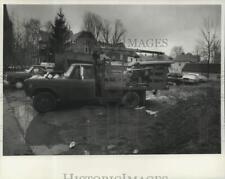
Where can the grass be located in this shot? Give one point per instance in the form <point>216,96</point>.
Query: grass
<point>191,125</point>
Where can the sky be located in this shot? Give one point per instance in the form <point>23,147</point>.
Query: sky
<point>151,27</point>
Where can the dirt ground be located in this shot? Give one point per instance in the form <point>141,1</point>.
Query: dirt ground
<point>183,119</point>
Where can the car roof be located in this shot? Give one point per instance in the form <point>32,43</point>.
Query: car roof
<point>38,66</point>
<point>84,64</point>
<point>190,75</point>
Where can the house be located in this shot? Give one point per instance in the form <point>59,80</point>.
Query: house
<point>79,49</point>
<point>181,60</point>
<point>214,70</point>
<point>82,42</point>
<point>64,60</point>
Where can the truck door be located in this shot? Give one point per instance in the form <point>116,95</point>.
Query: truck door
<point>82,83</point>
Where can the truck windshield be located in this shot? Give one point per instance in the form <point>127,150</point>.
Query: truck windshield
<point>69,71</point>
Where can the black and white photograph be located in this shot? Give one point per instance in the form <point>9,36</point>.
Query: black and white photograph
<point>111,79</point>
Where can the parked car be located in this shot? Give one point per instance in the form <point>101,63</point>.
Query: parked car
<point>17,78</point>
<point>190,78</point>
<point>201,78</point>
<point>174,78</point>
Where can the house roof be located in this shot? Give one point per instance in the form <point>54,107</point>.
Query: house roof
<point>201,68</point>
<point>82,34</point>
<point>75,57</point>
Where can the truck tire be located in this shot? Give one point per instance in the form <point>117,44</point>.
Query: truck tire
<point>131,99</point>
<point>44,102</point>
<point>19,84</point>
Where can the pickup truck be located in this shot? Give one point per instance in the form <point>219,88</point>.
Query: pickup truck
<point>81,82</point>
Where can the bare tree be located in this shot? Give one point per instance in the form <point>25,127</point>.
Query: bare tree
<point>32,34</point>
<point>19,42</point>
<point>119,32</point>
<point>106,31</point>
<point>93,23</point>
<point>208,41</point>
<point>208,34</point>
<point>197,50</point>
<point>176,51</point>
<point>18,32</point>
<point>48,26</point>
<point>32,30</point>
<point>216,50</point>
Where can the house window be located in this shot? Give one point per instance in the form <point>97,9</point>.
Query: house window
<point>86,50</point>
<point>129,59</point>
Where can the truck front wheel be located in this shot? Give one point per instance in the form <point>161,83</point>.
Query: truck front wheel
<point>44,102</point>
<point>131,99</point>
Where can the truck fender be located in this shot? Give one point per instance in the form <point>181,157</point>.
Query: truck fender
<point>46,90</point>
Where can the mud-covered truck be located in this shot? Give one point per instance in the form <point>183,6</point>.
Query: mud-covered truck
<point>83,82</point>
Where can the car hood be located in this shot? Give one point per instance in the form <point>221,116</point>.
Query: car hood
<point>18,73</point>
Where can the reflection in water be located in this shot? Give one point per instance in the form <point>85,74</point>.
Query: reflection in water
<point>44,138</point>
<point>24,114</point>
<point>42,133</point>
<point>95,129</point>
<point>105,130</point>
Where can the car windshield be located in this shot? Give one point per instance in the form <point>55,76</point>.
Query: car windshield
<point>29,70</point>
